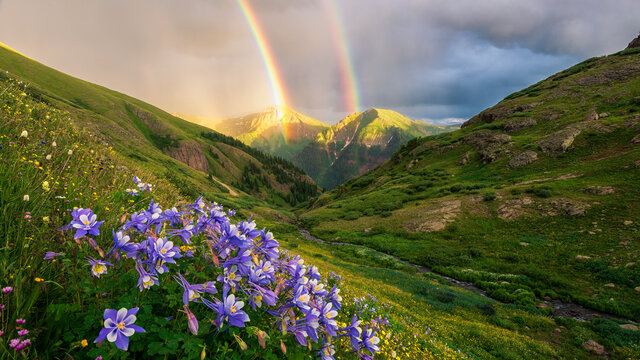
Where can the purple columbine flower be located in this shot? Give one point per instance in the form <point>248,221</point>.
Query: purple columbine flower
<point>165,251</point>
<point>146,279</point>
<point>51,255</point>
<point>98,267</point>
<point>328,316</point>
<point>84,222</point>
<point>118,326</point>
<point>193,292</point>
<point>327,352</point>
<point>230,310</point>
<point>370,340</point>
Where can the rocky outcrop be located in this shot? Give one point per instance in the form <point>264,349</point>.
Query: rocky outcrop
<point>600,190</point>
<point>191,154</point>
<point>634,43</point>
<point>512,125</point>
<point>435,218</point>
<point>514,208</point>
<point>487,143</point>
<point>592,116</point>
<point>559,141</point>
<point>567,207</point>
<point>524,158</point>
<point>464,159</point>
<point>636,139</point>
<point>594,347</point>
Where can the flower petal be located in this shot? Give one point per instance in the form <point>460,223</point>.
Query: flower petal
<point>109,323</point>
<point>122,313</point>
<point>129,320</point>
<point>110,314</point>
<point>127,331</point>
<point>103,335</point>
<point>122,342</point>
<point>137,328</point>
<point>112,335</point>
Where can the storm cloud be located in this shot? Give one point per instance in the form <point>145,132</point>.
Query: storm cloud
<point>441,61</point>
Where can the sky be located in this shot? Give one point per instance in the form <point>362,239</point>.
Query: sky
<point>440,61</point>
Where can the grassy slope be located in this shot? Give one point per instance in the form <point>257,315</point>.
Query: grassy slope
<point>386,209</point>
<point>150,135</point>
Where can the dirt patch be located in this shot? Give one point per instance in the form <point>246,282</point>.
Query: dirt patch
<point>514,208</point>
<point>434,218</point>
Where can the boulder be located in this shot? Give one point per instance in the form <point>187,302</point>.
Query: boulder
<point>603,115</point>
<point>592,116</point>
<point>512,125</point>
<point>593,347</point>
<point>582,257</point>
<point>600,190</point>
<point>487,143</point>
<point>514,208</point>
<point>559,141</point>
<point>629,327</point>
<point>191,154</point>
<point>464,159</point>
<point>610,285</point>
<point>570,207</point>
<point>524,158</point>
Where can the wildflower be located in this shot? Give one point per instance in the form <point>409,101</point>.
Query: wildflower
<point>23,332</point>
<point>7,289</point>
<point>23,344</point>
<point>54,144</point>
<point>85,222</point>
<point>192,321</point>
<point>45,186</point>
<point>24,134</point>
<point>38,279</point>
<point>1,332</point>
<point>25,198</point>
<point>70,152</point>
<point>84,343</point>
<point>370,341</point>
<point>14,342</point>
<point>327,352</point>
<point>118,326</point>
<point>46,219</point>
<point>165,251</point>
<point>99,358</point>
<point>48,157</point>
<point>146,279</point>
<point>51,255</point>
<point>98,267</point>
<point>20,321</point>
<point>230,310</point>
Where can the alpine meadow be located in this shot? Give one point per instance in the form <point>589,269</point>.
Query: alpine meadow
<point>319,180</point>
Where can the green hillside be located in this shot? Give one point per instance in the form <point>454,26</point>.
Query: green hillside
<point>195,158</point>
<point>359,143</point>
<point>533,200</point>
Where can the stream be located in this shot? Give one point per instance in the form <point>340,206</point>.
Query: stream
<point>560,308</point>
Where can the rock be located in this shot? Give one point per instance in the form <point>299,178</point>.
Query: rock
<point>512,125</point>
<point>191,154</point>
<point>464,159</point>
<point>434,217</point>
<point>524,158</point>
<point>637,288</point>
<point>570,207</point>
<point>600,190</point>
<point>487,143</point>
<point>542,306</point>
<point>610,285</point>
<point>591,233</point>
<point>630,263</point>
<point>514,208</point>
<point>592,116</point>
<point>446,149</point>
<point>637,163</point>
<point>636,139</point>
<point>634,43</point>
<point>628,223</point>
<point>557,330</point>
<point>593,347</point>
<point>367,230</point>
<point>548,298</point>
<point>524,243</point>
<point>559,141</point>
<point>603,115</point>
<point>582,257</point>
<point>629,327</point>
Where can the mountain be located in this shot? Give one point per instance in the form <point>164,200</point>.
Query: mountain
<point>359,143</point>
<point>533,199</point>
<point>279,131</point>
<point>194,157</point>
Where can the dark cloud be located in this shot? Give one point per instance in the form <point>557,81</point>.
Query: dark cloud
<point>432,59</point>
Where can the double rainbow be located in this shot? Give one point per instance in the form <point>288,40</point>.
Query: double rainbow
<point>347,74</point>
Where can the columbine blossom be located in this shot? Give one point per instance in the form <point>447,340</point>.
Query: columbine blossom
<point>370,340</point>
<point>146,279</point>
<point>84,221</point>
<point>229,310</point>
<point>119,326</point>
<point>98,267</point>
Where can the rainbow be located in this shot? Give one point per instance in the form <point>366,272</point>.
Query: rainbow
<point>348,76</point>
<point>275,78</point>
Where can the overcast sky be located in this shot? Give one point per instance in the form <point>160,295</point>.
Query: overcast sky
<point>433,60</point>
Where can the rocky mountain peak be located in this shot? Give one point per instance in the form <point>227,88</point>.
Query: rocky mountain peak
<point>634,43</point>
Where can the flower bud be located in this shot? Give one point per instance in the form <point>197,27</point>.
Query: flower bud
<point>24,134</point>
<point>261,338</point>
<point>283,348</point>
<point>203,354</point>
<point>192,321</point>
<point>241,343</point>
